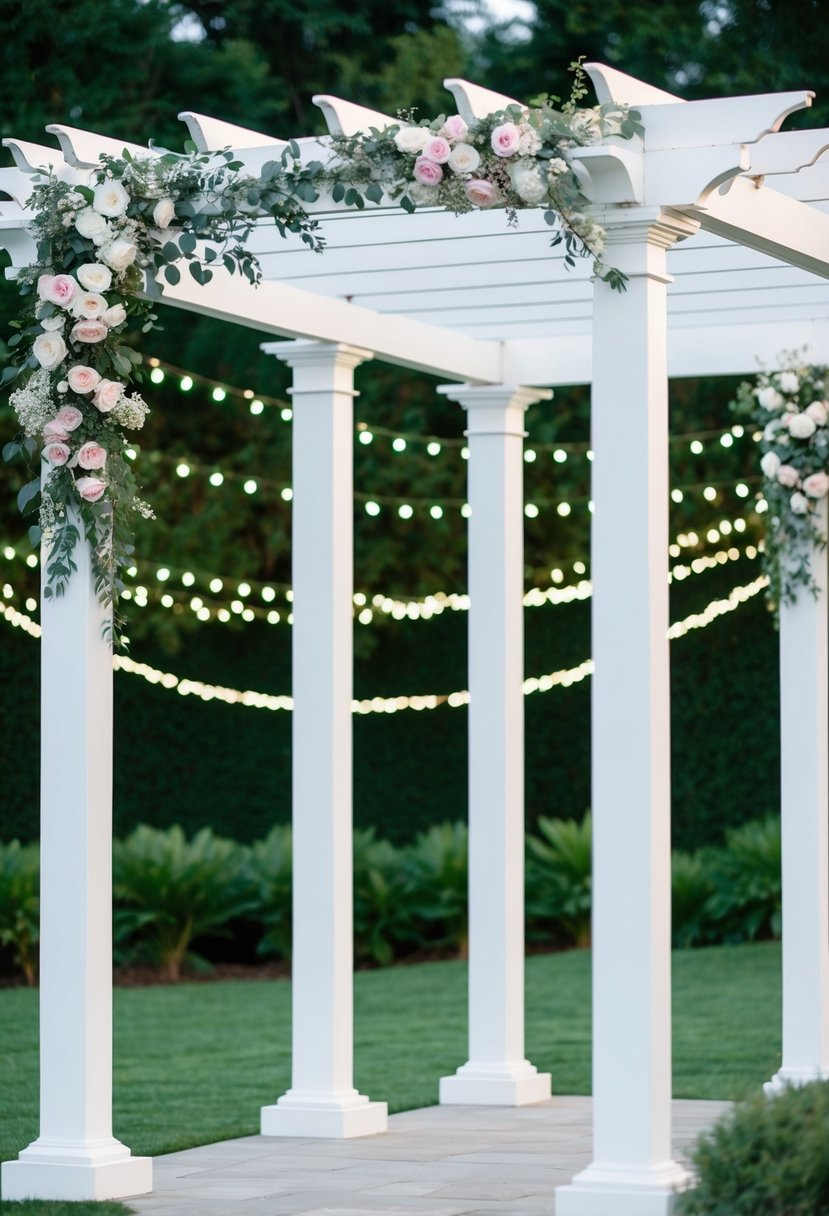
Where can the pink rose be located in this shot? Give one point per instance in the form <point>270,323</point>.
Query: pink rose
<point>56,453</point>
<point>82,379</point>
<point>89,331</point>
<point>788,476</point>
<point>107,395</point>
<point>482,193</point>
<point>92,456</point>
<point>90,488</point>
<point>816,485</point>
<point>437,149</point>
<point>818,412</point>
<point>505,139</point>
<point>55,432</point>
<point>69,417</point>
<point>455,128</point>
<point>57,288</point>
<point>427,172</point>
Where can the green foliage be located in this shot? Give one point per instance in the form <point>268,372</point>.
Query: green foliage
<point>268,871</point>
<point>382,922</point>
<point>170,890</point>
<point>61,1207</point>
<point>692,888</point>
<point>559,879</point>
<point>768,1155</point>
<point>436,885</point>
<point>746,903</point>
<point>20,905</point>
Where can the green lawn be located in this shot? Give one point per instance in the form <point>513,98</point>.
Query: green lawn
<point>194,1063</point>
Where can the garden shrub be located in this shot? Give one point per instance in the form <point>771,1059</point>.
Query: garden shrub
<point>746,903</point>
<point>559,880</point>
<point>382,924</point>
<point>436,869</point>
<point>268,872</point>
<point>768,1157</point>
<point>692,887</point>
<point>20,905</point>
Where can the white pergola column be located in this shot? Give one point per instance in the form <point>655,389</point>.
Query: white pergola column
<point>497,1073</point>
<point>75,1157</point>
<point>632,1172</point>
<point>804,732</point>
<point>322,1100</point>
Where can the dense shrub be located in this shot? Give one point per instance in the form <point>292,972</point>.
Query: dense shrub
<point>746,903</point>
<point>436,871</point>
<point>559,880</point>
<point>383,926</point>
<point>268,873</point>
<point>769,1157</point>
<point>692,888</point>
<point>20,905</point>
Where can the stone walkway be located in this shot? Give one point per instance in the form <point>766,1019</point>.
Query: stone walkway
<point>442,1161</point>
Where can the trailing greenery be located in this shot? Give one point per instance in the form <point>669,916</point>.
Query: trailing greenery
<point>768,1155</point>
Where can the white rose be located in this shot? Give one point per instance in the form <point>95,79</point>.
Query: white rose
<point>114,316</point>
<point>88,304</point>
<point>49,350</point>
<point>164,213</point>
<point>801,426</point>
<point>799,503</point>
<point>789,382</point>
<point>119,254</point>
<point>412,139</point>
<point>464,159</point>
<point>769,398</point>
<point>818,412</point>
<point>91,225</point>
<point>110,198</point>
<point>94,277</point>
<point>770,464</point>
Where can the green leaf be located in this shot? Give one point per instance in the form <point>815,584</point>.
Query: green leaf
<point>86,193</point>
<point>28,492</point>
<point>407,204</point>
<point>171,251</point>
<point>121,363</point>
<point>172,274</point>
<point>10,450</point>
<point>35,533</point>
<point>197,272</point>
<point>338,192</point>
<point>189,146</point>
<point>187,242</point>
<point>374,192</point>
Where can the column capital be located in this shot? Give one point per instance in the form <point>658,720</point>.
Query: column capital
<point>308,353</point>
<point>494,409</point>
<point>637,238</point>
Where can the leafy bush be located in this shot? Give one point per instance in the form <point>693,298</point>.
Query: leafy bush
<point>20,904</point>
<point>692,887</point>
<point>559,879</point>
<point>169,890</point>
<point>268,872</point>
<point>768,1156</point>
<point>436,887</point>
<point>746,903</point>
<point>381,917</point>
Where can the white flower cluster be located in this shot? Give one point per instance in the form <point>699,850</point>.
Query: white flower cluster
<point>33,402</point>
<point>131,412</point>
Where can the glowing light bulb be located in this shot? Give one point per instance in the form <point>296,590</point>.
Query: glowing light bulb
<point>157,375</point>
<point>218,394</point>
<point>216,479</point>
<point>399,444</point>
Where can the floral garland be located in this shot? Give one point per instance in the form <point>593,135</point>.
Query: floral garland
<point>102,249</point>
<point>790,409</point>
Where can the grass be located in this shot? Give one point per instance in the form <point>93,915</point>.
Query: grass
<point>194,1063</point>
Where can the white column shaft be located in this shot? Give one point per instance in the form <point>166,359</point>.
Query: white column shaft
<point>631,742</point>
<point>75,1156</point>
<point>804,730</point>
<point>322,1099</point>
<point>497,1071</point>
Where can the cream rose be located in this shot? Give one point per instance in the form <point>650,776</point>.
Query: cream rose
<point>801,426</point>
<point>107,395</point>
<point>110,198</point>
<point>816,485</point>
<point>56,453</point>
<point>89,304</point>
<point>119,254</point>
<point>92,456</point>
<point>464,159</point>
<point>770,464</point>
<point>49,350</point>
<point>789,382</point>
<point>769,398</point>
<point>164,213</point>
<point>94,277</point>
<point>92,225</point>
<point>82,379</point>
<point>818,412</point>
<point>89,331</point>
<point>69,417</point>
<point>114,316</point>
<point>788,476</point>
<point>90,488</point>
<point>799,503</point>
<point>412,139</point>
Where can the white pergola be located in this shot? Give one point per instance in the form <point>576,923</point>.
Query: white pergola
<point>720,222</point>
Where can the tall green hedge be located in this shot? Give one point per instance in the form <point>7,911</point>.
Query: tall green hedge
<point>179,760</point>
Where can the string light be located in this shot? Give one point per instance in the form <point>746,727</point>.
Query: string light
<point>258,700</point>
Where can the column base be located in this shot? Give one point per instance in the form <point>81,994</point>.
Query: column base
<point>316,1115</point>
<point>621,1191</point>
<point>793,1076</point>
<point>51,1170</point>
<point>495,1085</point>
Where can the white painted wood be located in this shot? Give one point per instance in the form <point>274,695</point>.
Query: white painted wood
<point>496,1074</point>
<point>31,158</point>
<point>787,151</point>
<point>724,120</point>
<point>632,1171</point>
<point>75,1156</point>
<point>322,1100</point>
<point>83,149</point>
<point>213,134</point>
<point>474,101</point>
<point>804,730</point>
<point>612,85</point>
<point>346,118</point>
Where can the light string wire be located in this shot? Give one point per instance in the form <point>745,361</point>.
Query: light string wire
<point>259,700</point>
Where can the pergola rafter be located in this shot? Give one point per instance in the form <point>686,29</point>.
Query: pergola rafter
<point>720,222</point>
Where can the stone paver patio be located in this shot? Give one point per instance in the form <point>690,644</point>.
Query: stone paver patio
<point>441,1161</point>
